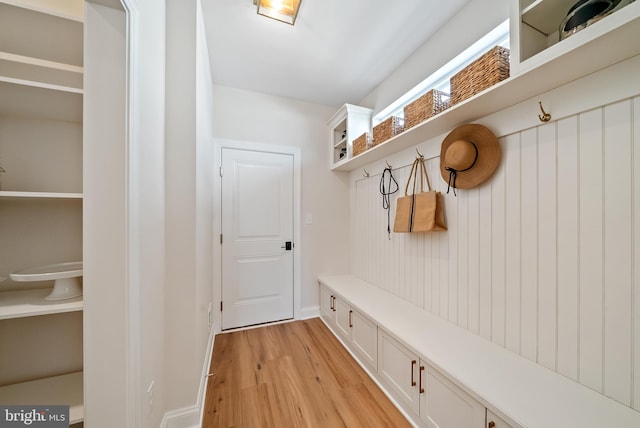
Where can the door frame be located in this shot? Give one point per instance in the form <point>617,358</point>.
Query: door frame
<point>219,144</point>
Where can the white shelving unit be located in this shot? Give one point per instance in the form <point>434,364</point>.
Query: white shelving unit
<point>41,108</point>
<point>346,125</point>
<point>607,42</point>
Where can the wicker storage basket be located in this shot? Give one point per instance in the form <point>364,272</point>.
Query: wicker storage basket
<point>486,71</point>
<point>429,104</point>
<point>361,143</point>
<point>386,129</point>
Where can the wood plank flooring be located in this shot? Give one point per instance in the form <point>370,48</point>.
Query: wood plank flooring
<point>292,375</point>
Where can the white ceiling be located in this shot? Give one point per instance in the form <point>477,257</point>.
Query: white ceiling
<point>337,52</point>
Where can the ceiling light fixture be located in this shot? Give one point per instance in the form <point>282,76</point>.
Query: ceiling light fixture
<point>281,10</point>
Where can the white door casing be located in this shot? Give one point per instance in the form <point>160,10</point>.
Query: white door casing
<point>257,214</point>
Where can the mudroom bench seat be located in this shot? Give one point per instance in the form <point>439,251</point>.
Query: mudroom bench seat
<point>441,375</point>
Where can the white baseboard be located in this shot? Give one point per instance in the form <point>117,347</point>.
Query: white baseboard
<point>187,417</point>
<point>309,312</point>
<point>191,417</point>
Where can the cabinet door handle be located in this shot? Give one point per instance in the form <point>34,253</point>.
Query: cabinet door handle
<point>350,320</point>
<point>413,369</point>
<point>420,380</point>
<point>491,425</point>
<point>334,303</point>
<point>331,302</point>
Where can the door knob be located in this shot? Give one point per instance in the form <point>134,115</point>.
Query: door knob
<point>287,246</point>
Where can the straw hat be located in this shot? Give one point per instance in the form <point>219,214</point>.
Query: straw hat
<point>468,156</point>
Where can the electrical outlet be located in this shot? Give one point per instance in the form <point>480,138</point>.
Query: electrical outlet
<point>150,394</point>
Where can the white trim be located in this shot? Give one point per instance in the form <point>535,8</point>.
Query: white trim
<point>309,312</point>
<point>219,144</point>
<point>187,417</point>
<point>204,379</point>
<point>132,261</point>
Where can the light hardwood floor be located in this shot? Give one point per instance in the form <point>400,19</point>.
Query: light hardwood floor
<point>292,375</point>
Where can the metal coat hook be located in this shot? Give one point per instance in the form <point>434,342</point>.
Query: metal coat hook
<point>544,117</point>
<point>388,166</point>
<point>418,152</point>
<point>365,173</point>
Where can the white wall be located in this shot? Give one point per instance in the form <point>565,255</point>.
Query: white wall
<point>188,204</point>
<point>259,118</point>
<point>541,259</point>
<point>104,218</point>
<point>147,164</point>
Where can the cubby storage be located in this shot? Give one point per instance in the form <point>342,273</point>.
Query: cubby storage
<point>41,98</point>
<point>444,376</point>
<point>608,41</point>
<point>346,125</point>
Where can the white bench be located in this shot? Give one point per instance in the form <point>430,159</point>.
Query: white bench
<point>517,390</point>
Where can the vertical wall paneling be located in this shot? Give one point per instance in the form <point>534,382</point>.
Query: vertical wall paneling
<point>567,257</point>
<point>547,308</point>
<point>511,159</point>
<point>452,237</point>
<point>543,258</point>
<point>474,259</point>
<point>463,263</point>
<point>498,248</point>
<point>590,249</point>
<point>485,264</point>
<point>636,253</point>
<point>617,252</point>
<point>529,245</point>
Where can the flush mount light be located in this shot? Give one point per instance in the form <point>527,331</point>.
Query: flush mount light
<point>281,10</point>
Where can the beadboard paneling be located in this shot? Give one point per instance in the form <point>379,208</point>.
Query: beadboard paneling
<point>543,259</point>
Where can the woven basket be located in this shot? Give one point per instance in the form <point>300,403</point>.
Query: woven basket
<point>486,71</point>
<point>361,143</point>
<point>386,129</point>
<point>429,104</point>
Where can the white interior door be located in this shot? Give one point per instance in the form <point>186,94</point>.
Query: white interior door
<point>257,235</point>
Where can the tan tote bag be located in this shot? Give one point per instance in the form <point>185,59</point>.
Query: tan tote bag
<point>404,205</point>
<point>423,211</point>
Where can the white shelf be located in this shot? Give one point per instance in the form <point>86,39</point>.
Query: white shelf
<point>65,9</point>
<point>537,14</point>
<point>30,303</point>
<point>64,390</point>
<point>581,54</point>
<point>41,73</point>
<point>39,195</point>
<point>24,98</point>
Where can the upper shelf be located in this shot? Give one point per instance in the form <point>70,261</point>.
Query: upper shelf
<point>38,195</point>
<point>606,42</point>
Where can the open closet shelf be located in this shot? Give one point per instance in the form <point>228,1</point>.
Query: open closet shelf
<point>58,390</point>
<point>29,303</point>
<point>6,194</point>
<point>607,42</point>
<point>37,100</point>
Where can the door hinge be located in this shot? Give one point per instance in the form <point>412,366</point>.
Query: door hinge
<point>220,171</point>
<point>220,305</point>
<point>221,239</point>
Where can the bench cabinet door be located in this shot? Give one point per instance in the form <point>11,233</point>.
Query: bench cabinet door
<point>326,304</point>
<point>398,369</point>
<point>364,338</point>
<point>342,309</point>
<point>445,405</point>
